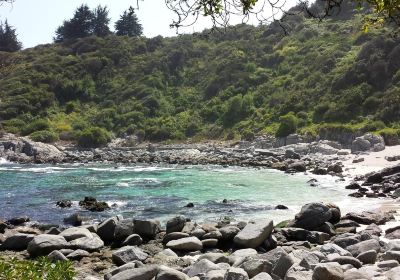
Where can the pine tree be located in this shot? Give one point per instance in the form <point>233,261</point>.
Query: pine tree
<point>128,24</point>
<point>78,27</point>
<point>8,38</point>
<point>100,22</point>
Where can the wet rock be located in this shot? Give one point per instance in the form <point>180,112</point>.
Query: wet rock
<point>91,204</point>
<point>190,205</point>
<point>147,228</point>
<point>185,244</point>
<point>74,220</point>
<point>64,203</point>
<point>335,168</point>
<point>45,243</point>
<point>18,220</point>
<point>281,207</point>
<point>311,216</point>
<point>128,254</point>
<point>254,233</point>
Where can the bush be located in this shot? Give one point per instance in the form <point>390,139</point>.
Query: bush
<point>288,125</point>
<point>93,137</point>
<point>248,135</point>
<point>41,269</point>
<point>44,136</point>
<point>36,125</point>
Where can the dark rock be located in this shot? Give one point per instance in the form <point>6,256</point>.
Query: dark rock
<point>319,171</point>
<point>18,220</point>
<point>74,219</point>
<point>368,218</point>
<point>56,256</point>
<point>106,229</point>
<point>190,205</point>
<point>17,242</point>
<point>281,207</point>
<point>353,186</point>
<point>175,224</point>
<point>335,168</point>
<point>147,228</point>
<point>44,244</point>
<point>91,204</point>
<point>123,229</point>
<point>368,257</point>
<point>64,203</point>
<point>133,240</point>
<point>311,216</point>
<point>364,246</point>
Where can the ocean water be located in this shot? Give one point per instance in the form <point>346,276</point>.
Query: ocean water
<point>163,191</point>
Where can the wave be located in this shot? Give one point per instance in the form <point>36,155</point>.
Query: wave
<point>4,161</point>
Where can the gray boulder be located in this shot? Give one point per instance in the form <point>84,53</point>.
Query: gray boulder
<point>44,244</point>
<point>106,229</point>
<point>57,256</point>
<point>175,224</point>
<point>360,145</point>
<point>368,257</point>
<point>262,276</point>
<point>185,244</point>
<point>147,228</point>
<point>235,273</point>
<point>133,240</point>
<point>328,271</point>
<point>90,244</point>
<point>119,269</point>
<point>128,254</point>
<point>78,254</point>
<point>254,233</point>
<point>312,216</point>
<point>282,265</point>
<point>364,246</point>
<point>141,273</point>
<point>17,242</point>
<point>75,233</point>
<point>201,267</point>
<point>166,273</point>
<point>228,232</point>
<point>123,229</point>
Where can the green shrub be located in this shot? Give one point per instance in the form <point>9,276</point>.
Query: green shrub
<point>248,135</point>
<point>373,126</point>
<point>390,135</point>
<point>288,125</point>
<point>40,269</point>
<point>36,125</point>
<point>14,125</point>
<point>44,136</point>
<point>93,137</point>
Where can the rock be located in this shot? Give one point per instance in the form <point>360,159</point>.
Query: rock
<point>346,260</point>
<point>133,240</point>
<point>254,233</point>
<point>201,267</point>
<point>123,229</point>
<point>209,243</point>
<point>358,160</point>
<point>147,228</point>
<point>235,273</point>
<point>127,254</point>
<point>167,273</point>
<point>255,266</point>
<point>91,204</point>
<point>141,273</point>
<point>282,265</point>
<point>75,233</point>
<point>228,232</point>
<point>119,269</point>
<point>215,234</point>
<point>18,220</point>
<point>53,230</point>
<point>64,203</point>
<point>90,244</point>
<point>387,264</point>
<point>368,257</point>
<point>298,166</point>
<point>106,229</point>
<point>215,275</point>
<point>281,207</point>
<point>185,244</point>
<point>291,154</point>
<point>189,205</point>
<point>328,271</point>
<point>319,171</point>
<point>198,232</point>
<point>215,257</point>
<point>373,229</point>
<point>244,253</point>
<point>393,274</point>
<point>78,254</point>
<point>391,255</point>
<point>175,224</point>
<point>393,233</point>
<point>57,256</point>
<point>364,246</point>
<point>17,242</point>
<point>174,236</point>
<point>335,168</point>
<point>360,145</point>
<point>262,276</point>
<point>330,248</point>
<point>298,273</point>
<point>45,243</point>
<point>368,217</point>
<point>312,216</point>
<point>353,186</point>
<point>74,219</point>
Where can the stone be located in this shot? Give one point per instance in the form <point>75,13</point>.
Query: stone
<point>64,203</point>
<point>147,228</point>
<point>174,236</point>
<point>175,224</point>
<point>391,255</point>
<point>74,220</point>
<point>53,230</point>
<point>88,244</point>
<point>91,204</point>
<point>353,186</point>
<point>133,240</point>
<point>215,257</point>
<point>78,254</point>
<point>198,232</point>
<point>185,244</point>
<point>328,271</point>
<point>368,257</point>
<point>346,260</point>
<point>235,273</point>
<point>262,276</point>
<point>282,265</point>
<point>123,229</point>
<point>18,220</point>
<point>335,168</point>
<point>244,252</point>
<point>298,166</point>
<point>209,243</point>
<point>374,229</point>
<point>254,233</point>
<point>106,229</point>
<point>213,235</point>
<point>141,273</point>
<point>44,244</point>
<point>387,264</point>
<point>166,273</point>
<point>364,246</point>
<point>311,216</point>
<point>127,254</point>
<point>201,267</point>
<point>393,274</point>
<point>394,234</point>
<point>56,256</point>
<point>75,233</point>
<point>331,248</point>
<point>228,232</point>
<point>119,269</point>
<point>17,242</point>
<point>255,266</point>
<point>360,145</point>
<point>215,275</point>
<point>368,217</point>
<point>298,273</point>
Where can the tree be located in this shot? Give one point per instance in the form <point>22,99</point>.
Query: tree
<point>8,38</point>
<point>128,24</point>
<point>288,125</point>
<point>100,22</point>
<point>85,23</point>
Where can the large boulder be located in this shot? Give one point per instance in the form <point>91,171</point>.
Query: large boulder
<point>106,229</point>
<point>128,254</point>
<point>254,233</point>
<point>360,145</point>
<point>75,233</point>
<point>147,228</point>
<point>201,267</point>
<point>328,271</point>
<point>175,224</point>
<point>312,216</point>
<point>167,273</point>
<point>370,217</point>
<point>45,243</point>
<point>185,244</point>
<point>141,273</point>
<point>364,246</point>
<point>235,273</point>
<point>17,242</point>
<point>123,229</point>
<point>90,244</point>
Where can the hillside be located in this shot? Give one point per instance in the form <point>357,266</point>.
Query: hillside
<point>223,85</point>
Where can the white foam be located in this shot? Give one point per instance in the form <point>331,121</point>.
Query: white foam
<point>4,161</point>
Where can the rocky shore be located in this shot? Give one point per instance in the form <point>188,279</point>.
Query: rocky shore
<point>319,243</point>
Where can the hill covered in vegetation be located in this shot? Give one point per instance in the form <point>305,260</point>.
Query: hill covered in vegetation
<point>233,84</point>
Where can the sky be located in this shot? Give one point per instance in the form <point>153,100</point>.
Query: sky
<point>37,20</point>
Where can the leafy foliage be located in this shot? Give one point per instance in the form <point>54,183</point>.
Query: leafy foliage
<point>128,24</point>
<point>8,38</point>
<point>93,137</point>
<point>40,269</point>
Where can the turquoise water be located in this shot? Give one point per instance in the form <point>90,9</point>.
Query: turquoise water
<point>161,191</point>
